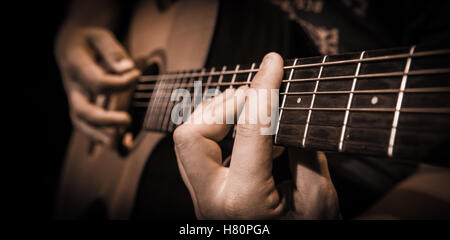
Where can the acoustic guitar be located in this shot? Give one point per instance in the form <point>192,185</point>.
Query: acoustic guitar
<point>393,103</point>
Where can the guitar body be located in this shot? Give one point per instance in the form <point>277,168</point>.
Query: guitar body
<point>98,176</point>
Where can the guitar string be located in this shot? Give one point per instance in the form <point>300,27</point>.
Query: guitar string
<point>146,96</point>
<point>196,73</point>
<point>192,74</point>
<point>145,86</point>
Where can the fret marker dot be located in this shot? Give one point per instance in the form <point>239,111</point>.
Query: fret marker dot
<point>374,100</point>
<point>299,100</point>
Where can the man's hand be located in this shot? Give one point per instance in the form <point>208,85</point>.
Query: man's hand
<point>78,52</point>
<point>246,190</point>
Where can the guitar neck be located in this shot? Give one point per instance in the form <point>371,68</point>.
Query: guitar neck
<point>392,102</point>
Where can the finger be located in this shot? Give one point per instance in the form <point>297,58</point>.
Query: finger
<point>93,132</point>
<point>112,52</point>
<point>96,115</point>
<point>252,152</point>
<point>314,194</point>
<point>308,167</point>
<point>213,119</point>
<point>198,153</point>
<point>86,70</point>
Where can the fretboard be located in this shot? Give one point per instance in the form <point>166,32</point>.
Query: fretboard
<point>388,102</point>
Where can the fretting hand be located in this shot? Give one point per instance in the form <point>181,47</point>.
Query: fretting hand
<point>246,190</point>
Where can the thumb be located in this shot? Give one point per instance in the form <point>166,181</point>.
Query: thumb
<point>314,195</point>
<point>112,52</point>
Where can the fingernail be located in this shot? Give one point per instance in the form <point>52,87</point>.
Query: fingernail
<point>229,92</point>
<point>266,61</point>
<point>125,64</point>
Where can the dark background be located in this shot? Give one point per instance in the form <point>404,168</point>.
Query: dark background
<point>42,113</point>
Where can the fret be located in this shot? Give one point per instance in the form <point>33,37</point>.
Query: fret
<point>234,76</point>
<point>438,80</point>
<point>151,106</point>
<point>191,89</point>
<point>305,133</point>
<point>420,133</point>
<point>156,105</point>
<point>249,78</point>
<point>224,68</point>
<point>430,61</point>
<point>165,101</point>
<point>349,103</point>
<point>183,81</point>
<point>399,104</point>
<point>284,100</point>
<point>208,83</point>
<point>198,98</point>
<point>167,115</point>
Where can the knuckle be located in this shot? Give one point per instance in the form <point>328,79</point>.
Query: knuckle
<point>98,32</point>
<point>258,84</point>
<point>182,135</point>
<point>248,130</point>
<point>97,82</point>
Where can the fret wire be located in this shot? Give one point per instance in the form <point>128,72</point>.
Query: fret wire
<point>234,76</point>
<point>162,102</point>
<point>231,87</point>
<point>399,104</point>
<point>166,122</point>
<point>380,58</point>
<point>249,78</point>
<point>350,98</point>
<point>208,83</point>
<point>184,79</point>
<point>201,84</point>
<point>224,68</point>
<point>151,105</point>
<point>165,103</point>
<point>409,110</point>
<point>150,113</point>
<point>284,101</point>
<point>192,107</point>
<point>312,104</point>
